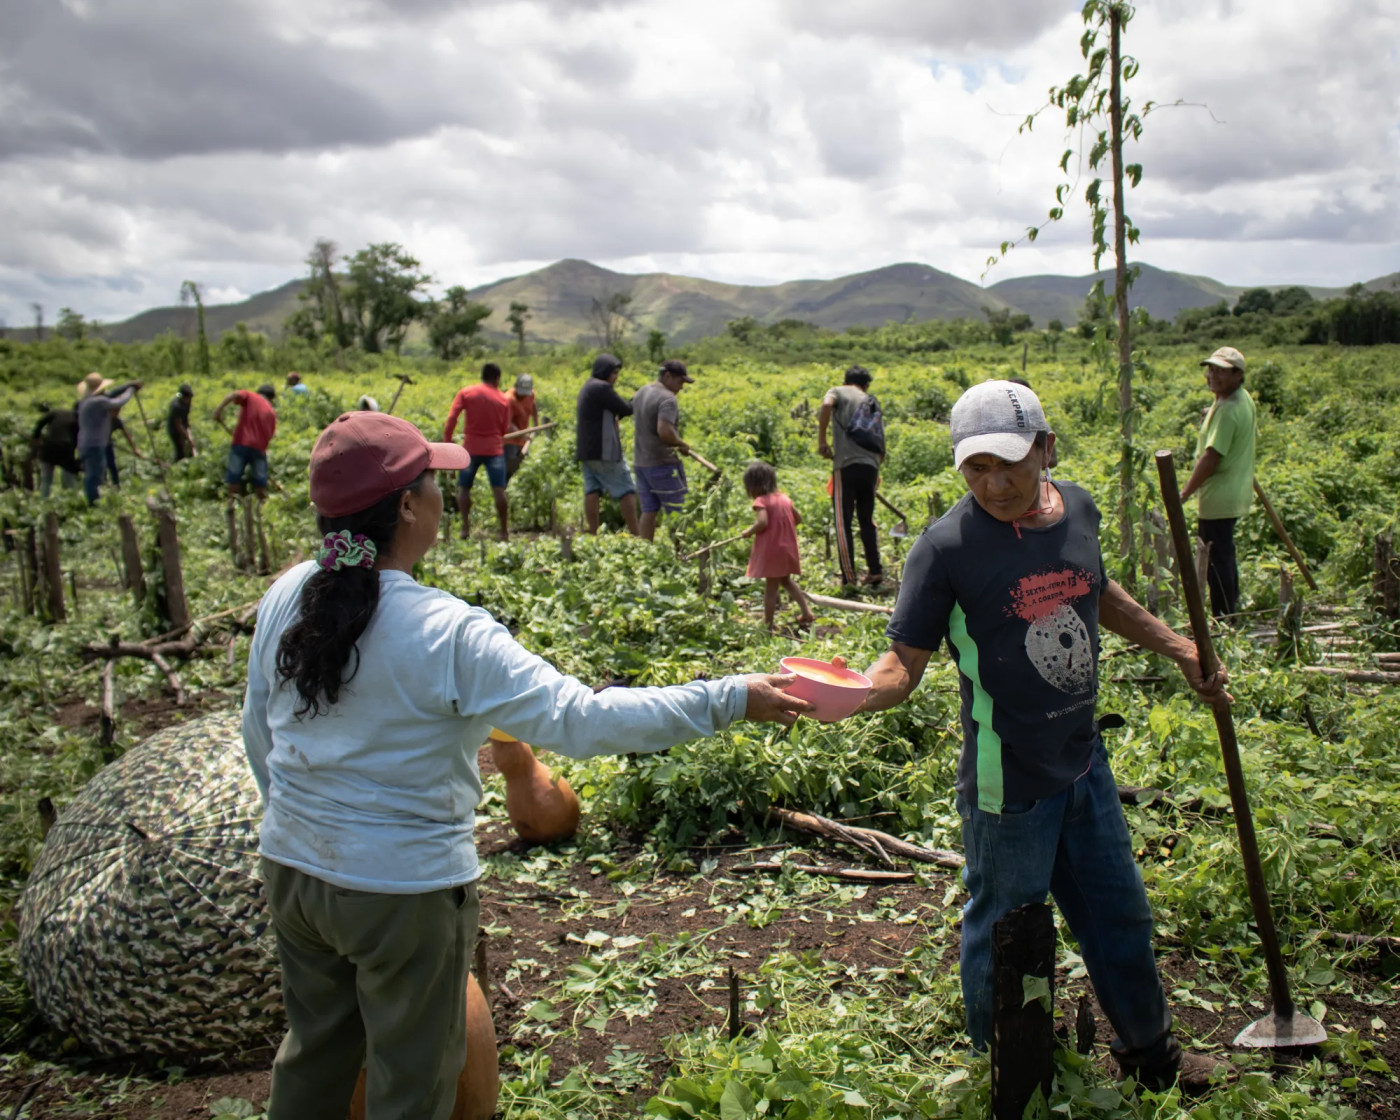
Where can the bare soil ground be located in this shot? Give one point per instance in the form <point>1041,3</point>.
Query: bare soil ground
<point>81,1087</point>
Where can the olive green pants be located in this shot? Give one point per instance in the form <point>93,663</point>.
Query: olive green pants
<point>377,979</point>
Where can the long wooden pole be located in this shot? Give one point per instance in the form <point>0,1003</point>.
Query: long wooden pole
<point>1229,748</point>
<point>1277,523</point>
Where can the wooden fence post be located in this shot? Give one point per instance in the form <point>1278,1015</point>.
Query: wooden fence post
<point>134,575</point>
<point>264,555</point>
<point>53,570</point>
<point>246,547</point>
<point>29,570</point>
<point>231,517</point>
<point>1386,582</point>
<point>177,609</point>
<point>1023,994</point>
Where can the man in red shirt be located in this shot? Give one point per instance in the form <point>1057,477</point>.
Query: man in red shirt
<point>524,413</point>
<point>486,419</point>
<point>257,422</point>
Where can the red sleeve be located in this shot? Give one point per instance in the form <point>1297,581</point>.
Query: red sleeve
<point>457,405</point>
<point>506,425</point>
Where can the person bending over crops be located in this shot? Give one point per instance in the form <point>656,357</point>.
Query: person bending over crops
<point>1013,579</point>
<point>257,424</point>
<point>485,413</point>
<point>368,698</point>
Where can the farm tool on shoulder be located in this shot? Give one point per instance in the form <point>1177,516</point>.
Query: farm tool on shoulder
<point>1285,1026</point>
<point>404,379</point>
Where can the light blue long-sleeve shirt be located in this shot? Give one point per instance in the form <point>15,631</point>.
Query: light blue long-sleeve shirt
<point>380,793</point>
<point>95,414</point>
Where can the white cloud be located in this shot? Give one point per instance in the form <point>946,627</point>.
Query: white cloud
<point>746,140</point>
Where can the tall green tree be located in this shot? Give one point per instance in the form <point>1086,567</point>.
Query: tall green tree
<point>71,325</point>
<point>1097,113</point>
<point>656,345</point>
<point>381,300</point>
<point>610,318</point>
<point>519,312</point>
<point>190,293</point>
<point>322,314</point>
<point>453,322</point>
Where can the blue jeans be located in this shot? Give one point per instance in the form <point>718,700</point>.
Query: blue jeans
<point>1074,845</point>
<point>495,471</point>
<point>94,470</point>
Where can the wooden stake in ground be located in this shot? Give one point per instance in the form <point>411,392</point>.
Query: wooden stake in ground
<point>1023,1000</point>
<point>134,576</point>
<point>177,608</point>
<point>264,556</point>
<point>53,570</point>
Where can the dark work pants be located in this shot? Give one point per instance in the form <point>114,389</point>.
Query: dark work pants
<point>853,495</point>
<point>1221,571</point>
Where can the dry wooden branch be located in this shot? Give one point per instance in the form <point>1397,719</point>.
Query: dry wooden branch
<point>1357,676</point>
<point>171,676</point>
<point>1359,940</point>
<point>864,838</point>
<point>853,874</point>
<point>848,604</point>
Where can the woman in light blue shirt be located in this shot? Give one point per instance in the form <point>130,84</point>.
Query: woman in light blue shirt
<point>368,697</point>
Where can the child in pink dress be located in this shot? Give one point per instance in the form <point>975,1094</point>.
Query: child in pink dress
<point>774,557</point>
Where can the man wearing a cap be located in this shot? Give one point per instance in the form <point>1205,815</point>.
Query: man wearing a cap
<point>599,444</point>
<point>854,475</point>
<point>524,413</point>
<point>656,440</point>
<point>97,414</point>
<point>257,424</point>
<point>177,423</point>
<point>1224,474</point>
<point>485,420</point>
<point>1013,580</point>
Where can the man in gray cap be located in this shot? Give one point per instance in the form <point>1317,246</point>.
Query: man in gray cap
<point>1013,580</point>
<point>1224,474</point>
<point>524,413</point>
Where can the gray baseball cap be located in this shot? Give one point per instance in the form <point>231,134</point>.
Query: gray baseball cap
<point>999,418</point>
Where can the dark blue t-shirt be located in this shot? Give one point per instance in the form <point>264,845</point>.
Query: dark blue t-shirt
<point>1021,618</point>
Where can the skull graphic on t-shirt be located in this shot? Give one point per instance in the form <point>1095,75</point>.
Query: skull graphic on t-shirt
<point>1057,640</point>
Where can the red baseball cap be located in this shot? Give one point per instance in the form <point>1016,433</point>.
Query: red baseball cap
<point>362,457</point>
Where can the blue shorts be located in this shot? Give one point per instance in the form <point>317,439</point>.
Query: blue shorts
<point>661,488</point>
<point>240,459</point>
<point>495,471</point>
<point>609,476</point>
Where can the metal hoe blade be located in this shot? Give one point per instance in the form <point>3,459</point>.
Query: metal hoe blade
<point>1276,1031</point>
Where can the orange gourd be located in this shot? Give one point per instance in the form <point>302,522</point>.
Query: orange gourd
<point>479,1083</point>
<point>542,808</point>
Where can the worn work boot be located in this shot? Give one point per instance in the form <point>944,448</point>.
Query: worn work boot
<point>1195,1076</point>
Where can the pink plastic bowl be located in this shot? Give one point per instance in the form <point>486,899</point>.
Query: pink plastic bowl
<point>836,693</point>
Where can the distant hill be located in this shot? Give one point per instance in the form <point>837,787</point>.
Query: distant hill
<point>1162,293</point>
<point>685,308</point>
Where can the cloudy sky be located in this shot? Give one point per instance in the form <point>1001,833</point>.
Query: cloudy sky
<point>145,142</point>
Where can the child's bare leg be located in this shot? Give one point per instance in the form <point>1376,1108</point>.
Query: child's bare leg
<point>771,587</point>
<point>798,598</point>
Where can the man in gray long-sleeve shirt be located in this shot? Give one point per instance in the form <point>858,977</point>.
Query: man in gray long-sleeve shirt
<point>95,414</point>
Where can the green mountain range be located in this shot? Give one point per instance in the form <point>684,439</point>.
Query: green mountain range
<point>561,298</point>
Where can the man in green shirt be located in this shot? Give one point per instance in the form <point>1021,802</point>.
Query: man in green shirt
<point>1224,474</point>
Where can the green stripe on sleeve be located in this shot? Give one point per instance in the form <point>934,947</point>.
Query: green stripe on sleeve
<point>990,786</point>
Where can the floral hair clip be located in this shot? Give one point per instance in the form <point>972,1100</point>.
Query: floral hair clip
<point>341,550</point>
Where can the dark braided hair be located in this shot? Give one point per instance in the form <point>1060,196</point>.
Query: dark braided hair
<point>335,609</point>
